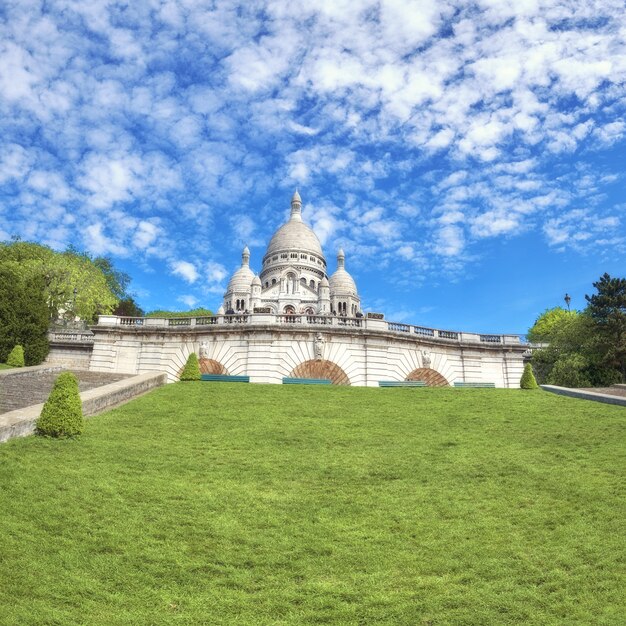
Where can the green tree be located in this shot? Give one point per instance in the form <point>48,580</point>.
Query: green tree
<point>548,323</point>
<point>528,378</point>
<point>191,371</point>
<point>23,315</point>
<point>73,284</point>
<point>607,308</point>
<point>62,414</point>
<point>199,312</point>
<point>127,307</point>
<point>16,357</point>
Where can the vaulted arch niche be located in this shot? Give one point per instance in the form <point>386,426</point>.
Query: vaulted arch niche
<point>209,366</point>
<point>431,377</point>
<point>321,369</point>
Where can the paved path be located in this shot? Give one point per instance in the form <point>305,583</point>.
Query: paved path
<point>19,391</point>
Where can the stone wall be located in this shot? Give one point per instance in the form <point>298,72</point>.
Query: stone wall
<point>269,352</point>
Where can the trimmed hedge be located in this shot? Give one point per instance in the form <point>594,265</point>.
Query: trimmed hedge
<point>528,378</point>
<point>191,371</point>
<point>16,357</point>
<point>62,414</point>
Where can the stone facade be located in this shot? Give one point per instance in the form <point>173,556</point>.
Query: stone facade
<point>268,348</point>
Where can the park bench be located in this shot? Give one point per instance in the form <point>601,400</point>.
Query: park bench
<point>222,378</point>
<point>306,381</point>
<point>463,385</point>
<point>401,383</point>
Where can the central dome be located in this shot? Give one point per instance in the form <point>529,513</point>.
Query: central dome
<point>295,235</point>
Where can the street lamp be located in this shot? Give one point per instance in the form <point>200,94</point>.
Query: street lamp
<point>567,300</point>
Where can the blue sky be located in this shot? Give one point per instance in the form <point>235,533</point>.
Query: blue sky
<point>468,156</point>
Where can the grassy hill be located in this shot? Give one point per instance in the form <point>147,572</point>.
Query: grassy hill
<point>252,504</point>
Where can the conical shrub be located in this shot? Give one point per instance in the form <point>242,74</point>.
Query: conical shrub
<point>16,357</point>
<point>191,371</point>
<point>62,414</point>
<point>528,378</point>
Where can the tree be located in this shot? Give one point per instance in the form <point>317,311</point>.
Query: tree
<point>191,371</point>
<point>16,357</point>
<point>528,379</point>
<point>74,284</point>
<point>608,310</point>
<point>585,349</point>
<point>199,312</point>
<point>548,323</point>
<point>23,315</point>
<point>127,307</point>
<point>62,414</point>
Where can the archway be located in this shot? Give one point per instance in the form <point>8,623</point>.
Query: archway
<point>289,310</point>
<point>431,377</point>
<point>321,369</point>
<point>209,366</point>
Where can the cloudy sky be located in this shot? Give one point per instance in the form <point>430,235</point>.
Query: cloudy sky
<point>470,157</point>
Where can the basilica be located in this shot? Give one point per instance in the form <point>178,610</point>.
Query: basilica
<point>294,276</point>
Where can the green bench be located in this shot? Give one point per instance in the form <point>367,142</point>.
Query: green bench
<point>222,378</point>
<point>474,385</point>
<point>401,383</point>
<point>306,381</point>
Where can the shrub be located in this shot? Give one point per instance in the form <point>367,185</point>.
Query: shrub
<point>191,371</point>
<point>16,357</point>
<point>528,378</point>
<point>62,414</point>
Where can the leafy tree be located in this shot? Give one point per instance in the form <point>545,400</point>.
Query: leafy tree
<point>73,284</point>
<point>117,281</point>
<point>191,371</point>
<point>528,378</point>
<point>585,349</point>
<point>548,323</point>
<point>16,357</point>
<point>62,414</point>
<point>199,312</point>
<point>608,309</point>
<point>127,307</point>
<point>23,315</point>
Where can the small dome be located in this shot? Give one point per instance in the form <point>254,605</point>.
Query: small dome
<point>324,282</point>
<point>220,311</point>
<point>341,283</point>
<point>256,281</point>
<point>241,279</point>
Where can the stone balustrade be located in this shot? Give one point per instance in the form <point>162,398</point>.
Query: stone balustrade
<point>256,319</point>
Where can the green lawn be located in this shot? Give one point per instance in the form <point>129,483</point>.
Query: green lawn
<point>4,366</point>
<point>263,504</point>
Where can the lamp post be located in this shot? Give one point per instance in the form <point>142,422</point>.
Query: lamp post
<point>567,300</point>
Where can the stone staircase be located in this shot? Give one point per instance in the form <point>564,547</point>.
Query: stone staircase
<point>19,390</point>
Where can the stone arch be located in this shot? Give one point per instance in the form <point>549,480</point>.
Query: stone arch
<point>431,377</point>
<point>289,310</point>
<point>321,369</point>
<point>209,366</point>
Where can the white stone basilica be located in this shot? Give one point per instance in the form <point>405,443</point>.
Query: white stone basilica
<point>293,279</point>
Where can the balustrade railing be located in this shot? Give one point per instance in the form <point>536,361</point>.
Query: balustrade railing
<point>303,319</point>
<point>491,338</point>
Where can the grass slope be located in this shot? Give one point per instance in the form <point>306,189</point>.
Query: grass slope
<point>249,504</point>
<point>4,366</point>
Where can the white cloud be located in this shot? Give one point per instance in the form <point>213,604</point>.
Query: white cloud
<point>185,270</point>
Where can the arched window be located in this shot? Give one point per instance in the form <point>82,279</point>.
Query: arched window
<point>273,281</point>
